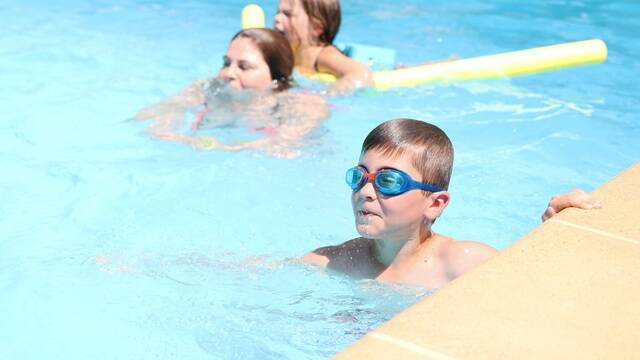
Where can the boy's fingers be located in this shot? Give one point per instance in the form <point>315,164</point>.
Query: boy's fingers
<point>557,203</point>
<point>548,213</point>
<point>575,198</point>
<point>582,200</point>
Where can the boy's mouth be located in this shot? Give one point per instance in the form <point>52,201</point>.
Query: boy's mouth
<point>364,213</point>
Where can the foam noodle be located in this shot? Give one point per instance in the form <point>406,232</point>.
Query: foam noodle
<point>503,65</point>
<point>252,17</point>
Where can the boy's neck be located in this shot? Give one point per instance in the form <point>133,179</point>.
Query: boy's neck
<point>388,252</point>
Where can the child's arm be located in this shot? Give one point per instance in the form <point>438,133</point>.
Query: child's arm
<point>315,259</point>
<point>575,198</point>
<point>353,258</point>
<point>350,73</point>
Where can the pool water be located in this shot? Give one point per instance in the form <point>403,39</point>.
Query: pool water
<point>113,245</point>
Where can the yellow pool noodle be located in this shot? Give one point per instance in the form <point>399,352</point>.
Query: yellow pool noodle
<point>252,17</point>
<point>498,66</point>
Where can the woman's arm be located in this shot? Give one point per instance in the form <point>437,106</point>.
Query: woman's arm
<point>169,113</point>
<point>303,114</point>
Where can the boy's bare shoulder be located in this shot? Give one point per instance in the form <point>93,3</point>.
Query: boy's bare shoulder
<point>461,256</point>
<point>353,257</point>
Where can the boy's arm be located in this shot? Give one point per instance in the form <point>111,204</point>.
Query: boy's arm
<point>353,258</point>
<point>315,259</point>
<point>575,198</point>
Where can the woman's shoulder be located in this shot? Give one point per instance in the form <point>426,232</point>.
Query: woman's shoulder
<point>303,105</point>
<point>301,98</point>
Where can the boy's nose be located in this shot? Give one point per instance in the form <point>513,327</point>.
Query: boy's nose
<point>368,191</point>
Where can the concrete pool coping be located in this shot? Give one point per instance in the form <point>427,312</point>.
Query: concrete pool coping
<point>568,289</point>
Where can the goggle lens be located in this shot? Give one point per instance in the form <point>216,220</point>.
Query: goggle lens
<point>389,183</point>
<point>354,178</point>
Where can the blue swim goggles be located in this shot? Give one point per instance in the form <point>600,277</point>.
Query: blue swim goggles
<point>388,182</point>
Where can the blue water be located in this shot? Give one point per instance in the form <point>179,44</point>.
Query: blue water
<point>115,246</point>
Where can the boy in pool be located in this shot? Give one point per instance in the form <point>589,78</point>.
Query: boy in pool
<point>394,221</point>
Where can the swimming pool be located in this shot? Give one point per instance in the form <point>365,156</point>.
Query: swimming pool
<point>116,246</point>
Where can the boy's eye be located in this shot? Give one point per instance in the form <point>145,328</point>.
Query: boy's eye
<point>387,181</point>
<point>390,180</point>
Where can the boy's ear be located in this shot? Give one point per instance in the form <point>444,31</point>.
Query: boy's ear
<point>436,204</point>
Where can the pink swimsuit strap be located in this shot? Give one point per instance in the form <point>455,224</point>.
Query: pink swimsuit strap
<point>267,130</point>
<point>199,116</point>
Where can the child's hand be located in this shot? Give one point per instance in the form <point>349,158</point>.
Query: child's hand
<point>575,198</point>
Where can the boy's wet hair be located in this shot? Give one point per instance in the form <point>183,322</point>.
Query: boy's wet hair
<point>275,50</point>
<point>326,14</point>
<point>429,146</point>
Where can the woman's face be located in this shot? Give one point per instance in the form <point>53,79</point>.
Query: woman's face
<point>244,66</point>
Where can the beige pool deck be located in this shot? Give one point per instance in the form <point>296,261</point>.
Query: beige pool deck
<point>570,289</point>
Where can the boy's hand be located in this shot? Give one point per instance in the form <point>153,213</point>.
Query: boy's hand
<point>574,198</point>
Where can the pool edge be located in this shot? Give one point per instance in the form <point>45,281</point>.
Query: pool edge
<point>568,289</point>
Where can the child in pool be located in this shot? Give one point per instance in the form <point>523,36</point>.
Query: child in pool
<point>311,26</point>
<point>259,62</point>
<point>397,243</point>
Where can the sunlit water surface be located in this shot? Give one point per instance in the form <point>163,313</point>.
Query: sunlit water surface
<point>113,245</point>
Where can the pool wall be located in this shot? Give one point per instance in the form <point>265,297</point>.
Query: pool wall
<point>568,289</point>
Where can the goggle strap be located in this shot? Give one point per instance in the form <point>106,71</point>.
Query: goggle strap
<point>428,187</point>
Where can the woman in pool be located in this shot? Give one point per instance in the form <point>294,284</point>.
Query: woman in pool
<point>251,91</point>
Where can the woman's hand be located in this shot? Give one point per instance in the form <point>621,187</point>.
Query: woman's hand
<point>200,143</point>
<point>207,143</point>
<point>575,198</point>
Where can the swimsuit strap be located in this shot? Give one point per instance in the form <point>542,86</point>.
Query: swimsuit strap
<point>315,63</point>
<point>199,116</point>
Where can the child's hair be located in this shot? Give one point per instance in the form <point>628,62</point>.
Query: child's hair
<point>276,52</point>
<point>326,14</point>
<point>430,147</point>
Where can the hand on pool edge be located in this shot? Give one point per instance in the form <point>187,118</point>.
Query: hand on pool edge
<point>575,198</point>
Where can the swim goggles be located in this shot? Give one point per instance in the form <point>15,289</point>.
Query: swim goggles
<point>388,182</point>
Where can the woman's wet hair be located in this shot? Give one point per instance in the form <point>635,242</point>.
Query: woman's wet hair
<point>326,15</point>
<point>429,146</point>
<point>276,52</point>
